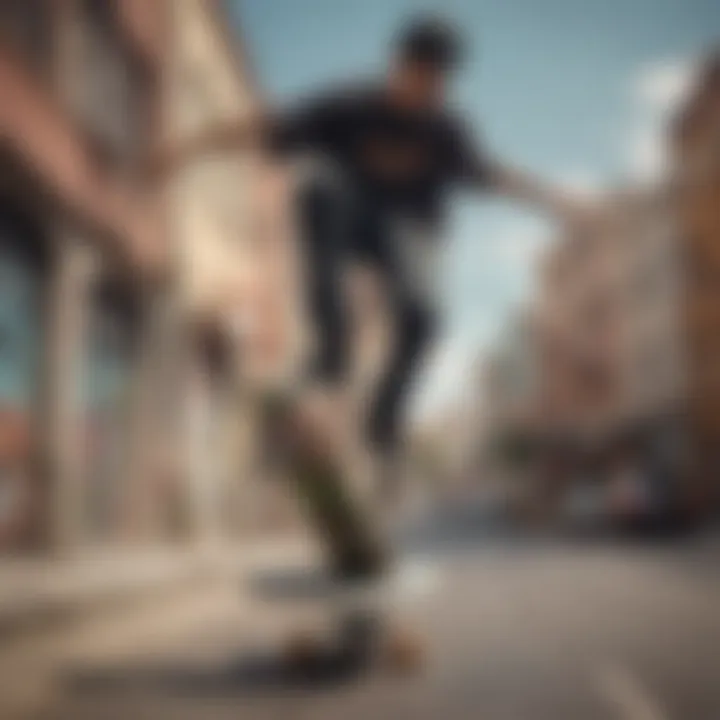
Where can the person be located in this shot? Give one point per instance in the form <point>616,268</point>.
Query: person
<point>378,160</point>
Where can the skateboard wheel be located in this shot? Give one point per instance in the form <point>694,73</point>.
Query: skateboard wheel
<point>302,650</point>
<point>404,652</point>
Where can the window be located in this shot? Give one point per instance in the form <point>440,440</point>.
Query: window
<point>22,282</point>
<point>26,27</point>
<point>20,314</point>
<point>114,87</point>
<point>111,361</point>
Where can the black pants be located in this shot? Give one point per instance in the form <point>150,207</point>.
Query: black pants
<point>338,226</point>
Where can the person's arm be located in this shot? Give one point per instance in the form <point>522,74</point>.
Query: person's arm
<point>527,189</point>
<point>472,166</point>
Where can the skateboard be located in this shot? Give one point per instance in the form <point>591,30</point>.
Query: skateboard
<point>364,623</point>
<point>358,592</point>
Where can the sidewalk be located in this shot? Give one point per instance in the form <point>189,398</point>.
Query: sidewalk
<point>38,593</point>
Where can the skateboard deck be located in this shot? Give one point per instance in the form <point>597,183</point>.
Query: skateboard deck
<point>403,583</point>
<point>358,595</point>
<point>365,624</point>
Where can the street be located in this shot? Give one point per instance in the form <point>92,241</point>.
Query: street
<point>514,629</point>
<point>449,267</point>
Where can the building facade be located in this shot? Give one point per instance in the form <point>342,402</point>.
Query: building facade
<point>695,144</point>
<point>233,275</point>
<point>81,250</point>
<point>630,319</point>
<point>612,362</point>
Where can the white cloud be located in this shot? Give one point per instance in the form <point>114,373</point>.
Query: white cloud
<point>657,90</point>
<point>665,84</point>
<point>511,249</point>
<point>516,245</point>
<point>580,181</point>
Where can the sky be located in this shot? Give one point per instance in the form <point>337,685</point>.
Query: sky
<point>576,91</point>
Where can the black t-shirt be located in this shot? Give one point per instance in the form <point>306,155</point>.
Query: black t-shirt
<point>404,160</point>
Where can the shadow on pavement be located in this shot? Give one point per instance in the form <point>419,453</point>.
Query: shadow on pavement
<point>253,675</point>
<point>302,583</point>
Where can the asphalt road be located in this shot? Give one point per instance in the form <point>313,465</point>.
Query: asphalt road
<point>514,629</point>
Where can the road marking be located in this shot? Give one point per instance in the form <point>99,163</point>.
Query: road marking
<point>624,691</point>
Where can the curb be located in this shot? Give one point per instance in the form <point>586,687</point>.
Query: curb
<point>40,596</point>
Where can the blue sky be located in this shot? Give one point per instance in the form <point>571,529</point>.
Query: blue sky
<point>575,90</point>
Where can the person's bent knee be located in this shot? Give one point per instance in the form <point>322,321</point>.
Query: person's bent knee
<point>320,184</point>
<point>418,324</point>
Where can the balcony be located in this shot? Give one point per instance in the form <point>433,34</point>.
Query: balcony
<point>27,30</point>
<point>112,96</point>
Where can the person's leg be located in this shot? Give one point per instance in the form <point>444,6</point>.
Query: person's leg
<point>415,324</point>
<point>408,267</point>
<point>323,217</point>
<point>320,426</point>
<point>336,226</point>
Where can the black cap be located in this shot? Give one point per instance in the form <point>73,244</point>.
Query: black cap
<point>431,40</point>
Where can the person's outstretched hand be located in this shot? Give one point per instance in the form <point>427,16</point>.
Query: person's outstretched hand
<point>578,213</point>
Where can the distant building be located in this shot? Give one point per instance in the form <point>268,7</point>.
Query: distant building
<point>630,316</point>
<point>507,397</point>
<point>578,321</point>
<point>696,151</point>
<point>612,343</point>
<point>510,376</point>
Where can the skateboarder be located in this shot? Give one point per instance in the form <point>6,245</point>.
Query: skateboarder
<point>377,162</point>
